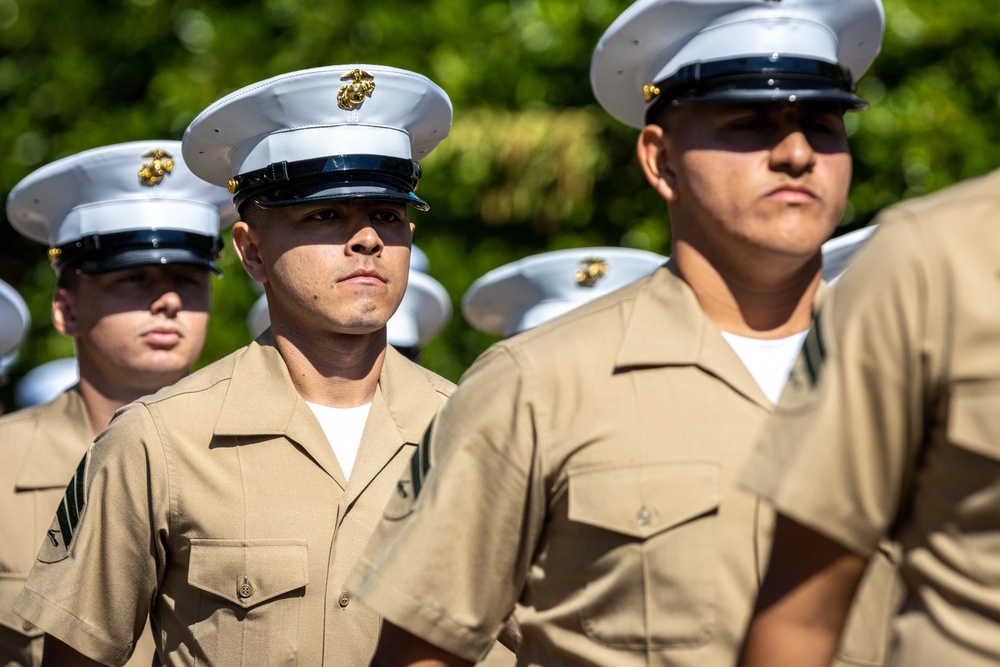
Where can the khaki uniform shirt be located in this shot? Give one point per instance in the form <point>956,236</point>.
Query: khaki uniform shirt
<point>585,470</point>
<point>218,507</point>
<point>891,421</point>
<point>40,448</point>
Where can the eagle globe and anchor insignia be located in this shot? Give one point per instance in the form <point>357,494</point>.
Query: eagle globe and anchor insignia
<point>351,95</point>
<point>153,172</point>
<point>591,270</point>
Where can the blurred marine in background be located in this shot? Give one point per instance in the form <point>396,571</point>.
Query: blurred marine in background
<point>585,470</point>
<point>133,236</point>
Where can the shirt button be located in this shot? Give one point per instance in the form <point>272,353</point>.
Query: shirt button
<point>28,626</point>
<point>643,516</point>
<point>245,589</point>
<point>345,599</point>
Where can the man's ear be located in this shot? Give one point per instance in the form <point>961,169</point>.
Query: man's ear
<point>64,312</point>
<point>246,244</point>
<point>654,151</point>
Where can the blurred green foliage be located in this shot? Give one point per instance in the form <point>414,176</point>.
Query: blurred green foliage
<point>532,164</point>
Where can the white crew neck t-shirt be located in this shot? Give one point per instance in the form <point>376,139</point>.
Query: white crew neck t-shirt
<point>343,428</point>
<point>769,361</point>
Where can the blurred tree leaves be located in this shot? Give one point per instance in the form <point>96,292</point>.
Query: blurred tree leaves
<point>532,164</point>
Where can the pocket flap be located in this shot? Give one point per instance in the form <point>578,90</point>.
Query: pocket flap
<point>974,418</point>
<point>248,572</point>
<point>641,501</point>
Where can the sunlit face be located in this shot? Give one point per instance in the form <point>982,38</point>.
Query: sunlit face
<point>140,328</point>
<point>338,267</point>
<point>767,179</point>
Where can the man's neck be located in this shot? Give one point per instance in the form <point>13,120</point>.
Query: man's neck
<point>769,299</point>
<point>338,370</point>
<point>103,399</point>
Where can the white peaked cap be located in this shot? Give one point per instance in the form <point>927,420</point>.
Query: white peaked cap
<point>838,252</point>
<point>122,205</point>
<point>424,311</point>
<point>523,294</point>
<point>419,260</point>
<point>15,320</point>
<point>43,383</point>
<point>301,136</point>
<point>653,40</point>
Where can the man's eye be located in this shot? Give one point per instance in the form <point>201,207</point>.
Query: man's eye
<point>748,124</point>
<point>387,216</point>
<point>821,125</point>
<point>326,214</point>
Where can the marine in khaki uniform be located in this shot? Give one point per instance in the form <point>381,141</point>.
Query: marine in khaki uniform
<point>585,469</point>
<point>133,236</point>
<point>230,507</point>
<point>891,426</point>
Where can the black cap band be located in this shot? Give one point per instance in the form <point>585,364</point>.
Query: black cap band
<point>101,253</point>
<point>757,79</point>
<point>333,177</point>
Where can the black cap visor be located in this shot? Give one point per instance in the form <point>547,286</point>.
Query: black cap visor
<point>341,188</point>
<point>330,178</point>
<point>102,253</point>
<point>757,80</point>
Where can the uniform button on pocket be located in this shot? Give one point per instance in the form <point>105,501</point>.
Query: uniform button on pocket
<point>245,589</point>
<point>28,626</point>
<point>643,516</point>
<point>345,599</point>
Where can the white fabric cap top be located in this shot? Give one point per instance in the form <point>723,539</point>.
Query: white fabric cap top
<point>43,383</point>
<point>839,251</point>
<point>308,116</point>
<point>419,260</point>
<point>523,294</point>
<point>653,40</point>
<point>111,207</point>
<point>15,320</point>
<point>425,309</point>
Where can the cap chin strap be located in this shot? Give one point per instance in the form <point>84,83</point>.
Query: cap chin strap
<point>757,78</point>
<point>398,173</point>
<point>95,253</point>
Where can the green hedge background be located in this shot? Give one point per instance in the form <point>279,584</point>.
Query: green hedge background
<point>532,164</point>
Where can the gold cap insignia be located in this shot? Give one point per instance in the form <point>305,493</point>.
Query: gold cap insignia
<point>351,95</point>
<point>54,254</point>
<point>233,185</point>
<point>591,270</point>
<point>649,92</point>
<point>152,172</point>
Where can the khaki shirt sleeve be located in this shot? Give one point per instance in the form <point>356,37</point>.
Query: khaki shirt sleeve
<point>97,571</point>
<point>838,456</point>
<point>451,555</point>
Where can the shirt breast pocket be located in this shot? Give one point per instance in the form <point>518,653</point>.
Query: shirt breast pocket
<point>250,594</point>
<point>974,417</point>
<point>653,585</point>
